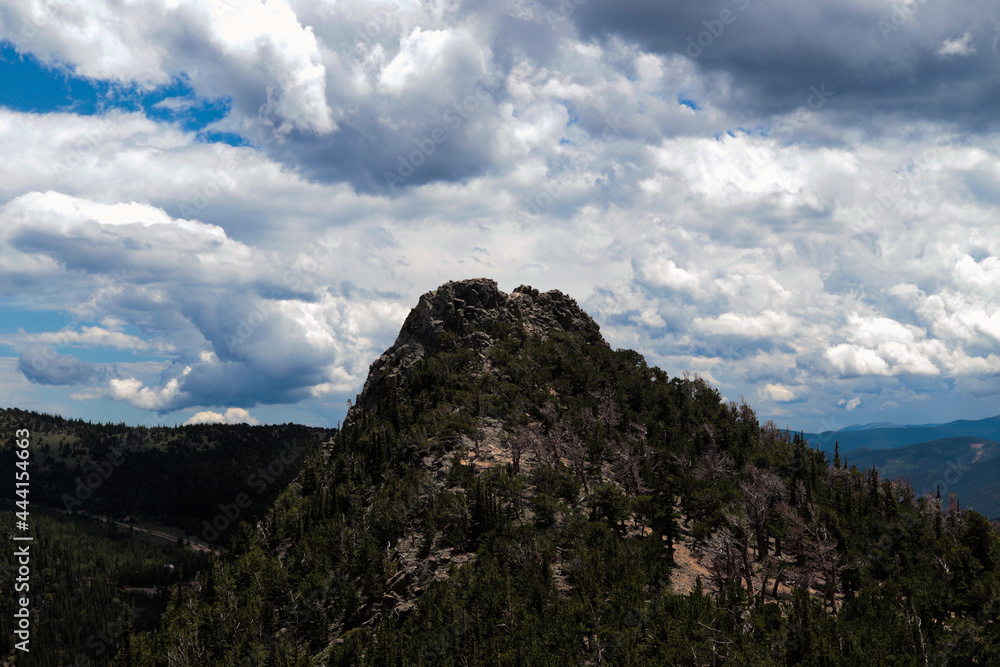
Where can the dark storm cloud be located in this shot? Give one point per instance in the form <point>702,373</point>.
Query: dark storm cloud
<point>870,57</point>
<point>95,253</point>
<point>244,385</point>
<point>43,365</point>
<point>381,161</point>
<point>732,347</point>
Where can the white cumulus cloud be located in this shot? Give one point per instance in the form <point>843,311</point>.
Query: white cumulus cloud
<point>231,416</point>
<point>960,46</point>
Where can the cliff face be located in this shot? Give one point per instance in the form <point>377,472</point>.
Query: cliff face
<point>461,308</point>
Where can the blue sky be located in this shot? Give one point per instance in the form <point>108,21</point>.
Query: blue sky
<point>35,87</point>
<point>224,210</point>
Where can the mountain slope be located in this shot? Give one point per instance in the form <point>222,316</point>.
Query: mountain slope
<point>511,491</point>
<point>927,457</point>
<point>967,466</point>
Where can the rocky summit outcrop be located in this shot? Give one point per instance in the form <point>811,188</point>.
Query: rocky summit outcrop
<point>463,308</point>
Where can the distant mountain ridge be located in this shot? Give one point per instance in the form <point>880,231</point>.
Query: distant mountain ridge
<point>879,436</point>
<point>868,427</point>
<point>933,455</point>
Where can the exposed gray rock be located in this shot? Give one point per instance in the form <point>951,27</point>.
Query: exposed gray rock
<point>460,308</point>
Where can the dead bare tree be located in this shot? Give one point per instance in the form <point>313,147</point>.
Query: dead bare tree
<point>815,554</point>
<point>743,532</point>
<point>527,437</point>
<point>517,442</point>
<point>796,544</point>
<point>576,453</point>
<point>760,490</point>
<point>826,563</point>
<point>552,427</point>
<point>608,413</point>
<point>631,454</point>
<point>725,557</point>
<point>713,464</point>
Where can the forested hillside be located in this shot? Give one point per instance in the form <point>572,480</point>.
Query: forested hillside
<point>93,583</point>
<point>509,490</point>
<point>176,476</point>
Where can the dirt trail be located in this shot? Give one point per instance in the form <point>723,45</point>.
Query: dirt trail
<point>162,532</point>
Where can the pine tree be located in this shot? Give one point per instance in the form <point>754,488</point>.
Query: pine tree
<point>123,651</point>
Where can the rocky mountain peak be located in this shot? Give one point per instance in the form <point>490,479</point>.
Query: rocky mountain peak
<point>462,308</point>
